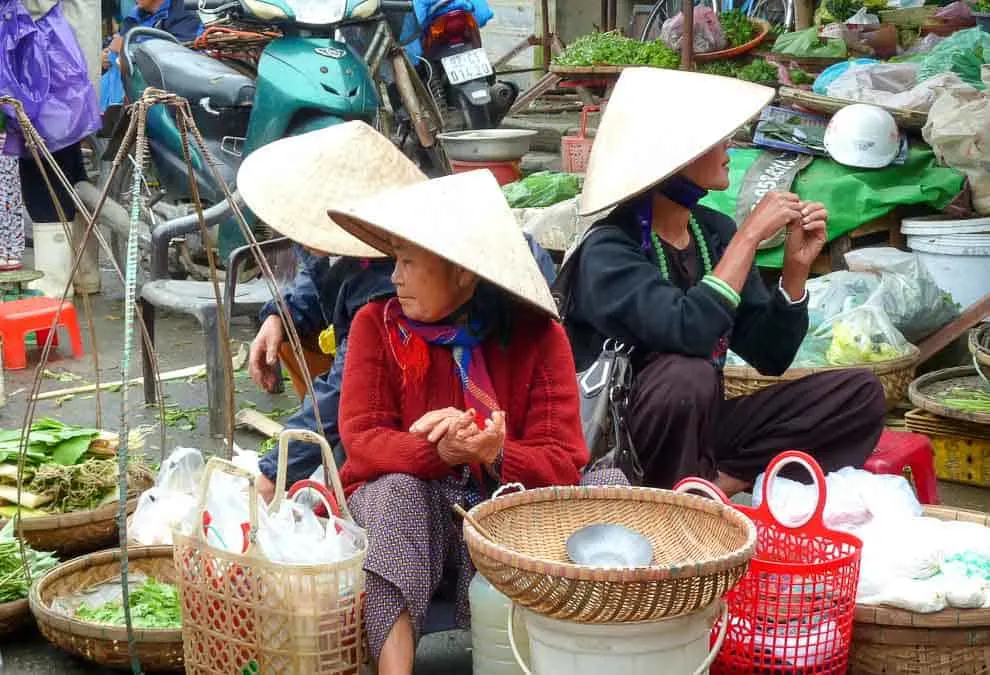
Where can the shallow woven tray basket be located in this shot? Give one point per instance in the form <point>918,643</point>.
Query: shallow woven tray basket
<point>895,376</point>
<point>701,549</point>
<point>71,534</point>
<point>950,642</point>
<point>160,650</point>
<point>979,347</point>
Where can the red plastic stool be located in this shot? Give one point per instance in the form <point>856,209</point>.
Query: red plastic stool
<point>898,450</point>
<point>34,315</point>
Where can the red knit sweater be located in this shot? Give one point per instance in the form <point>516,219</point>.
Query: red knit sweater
<point>534,380</point>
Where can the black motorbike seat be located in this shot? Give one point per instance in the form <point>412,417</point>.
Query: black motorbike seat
<point>192,75</point>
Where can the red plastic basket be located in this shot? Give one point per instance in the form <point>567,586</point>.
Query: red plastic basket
<point>575,150</point>
<point>793,610</point>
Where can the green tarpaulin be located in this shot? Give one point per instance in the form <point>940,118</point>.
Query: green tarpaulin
<point>853,197</point>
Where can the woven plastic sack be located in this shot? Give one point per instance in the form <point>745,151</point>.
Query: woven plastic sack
<point>542,189</point>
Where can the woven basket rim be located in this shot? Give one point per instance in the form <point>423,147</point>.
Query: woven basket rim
<point>905,362</point>
<point>924,402</point>
<point>58,521</point>
<point>44,614</point>
<point>949,618</point>
<point>742,556</point>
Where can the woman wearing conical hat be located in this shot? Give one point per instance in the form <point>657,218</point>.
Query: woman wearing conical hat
<point>677,282</point>
<point>462,382</point>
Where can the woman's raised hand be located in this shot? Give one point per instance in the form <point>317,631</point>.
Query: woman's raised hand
<point>775,211</point>
<point>458,438</point>
<point>434,424</point>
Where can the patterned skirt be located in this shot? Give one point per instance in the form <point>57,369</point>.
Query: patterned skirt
<point>11,209</point>
<point>413,539</point>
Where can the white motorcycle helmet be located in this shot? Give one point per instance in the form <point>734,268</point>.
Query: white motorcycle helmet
<point>863,136</point>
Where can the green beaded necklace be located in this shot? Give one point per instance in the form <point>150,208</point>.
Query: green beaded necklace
<point>699,238</point>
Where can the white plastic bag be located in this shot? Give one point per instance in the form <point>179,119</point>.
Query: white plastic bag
<point>294,535</point>
<point>227,513</point>
<point>861,336</point>
<point>158,512</point>
<point>708,35</point>
<point>182,471</point>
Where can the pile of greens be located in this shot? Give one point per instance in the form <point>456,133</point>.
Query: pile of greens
<point>83,487</point>
<point>612,49</point>
<point>153,605</point>
<point>736,27</point>
<point>967,400</point>
<point>758,70</point>
<point>48,441</point>
<point>14,577</point>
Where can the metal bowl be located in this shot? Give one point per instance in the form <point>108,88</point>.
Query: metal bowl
<point>607,545</point>
<point>487,145</point>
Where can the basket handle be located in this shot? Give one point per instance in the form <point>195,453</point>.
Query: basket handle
<point>585,111</point>
<point>688,485</point>
<point>217,465</point>
<point>700,670</point>
<point>817,476</point>
<point>307,436</point>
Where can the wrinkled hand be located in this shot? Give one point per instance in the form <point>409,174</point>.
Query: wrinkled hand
<point>266,488</point>
<point>264,354</point>
<point>806,238</point>
<point>775,211</point>
<point>465,443</point>
<point>434,424</point>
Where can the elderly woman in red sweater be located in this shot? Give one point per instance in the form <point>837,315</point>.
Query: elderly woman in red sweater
<point>463,382</point>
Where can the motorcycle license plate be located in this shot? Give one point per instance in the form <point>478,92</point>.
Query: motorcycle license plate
<point>472,65</point>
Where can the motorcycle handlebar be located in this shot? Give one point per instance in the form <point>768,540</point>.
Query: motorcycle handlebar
<point>138,31</point>
<point>396,5</point>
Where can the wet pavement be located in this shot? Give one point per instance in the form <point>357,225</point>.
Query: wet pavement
<point>180,344</point>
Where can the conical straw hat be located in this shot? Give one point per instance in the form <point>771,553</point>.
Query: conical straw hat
<point>657,122</point>
<point>463,218</point>
<point>290,183</point>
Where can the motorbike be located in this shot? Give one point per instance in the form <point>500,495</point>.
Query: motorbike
<point>307,78</point>
<point>461,75</point>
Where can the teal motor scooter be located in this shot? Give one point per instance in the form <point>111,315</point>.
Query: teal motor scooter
<point>307,79</point>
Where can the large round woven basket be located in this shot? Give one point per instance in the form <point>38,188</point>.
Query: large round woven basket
<point>701,549</point>
<point>895,376</point>
<point>950,642</point>
<point>79,532</point>
<point>14,616</point>
<point>159,650</point>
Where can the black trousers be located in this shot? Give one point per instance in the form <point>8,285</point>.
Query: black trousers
<point>682,426</point>
<point>37,198</point>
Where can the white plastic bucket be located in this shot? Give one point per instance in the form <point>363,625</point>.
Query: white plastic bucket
<point>53,257</point>
<point>959,263</point>
<point>678,645</point>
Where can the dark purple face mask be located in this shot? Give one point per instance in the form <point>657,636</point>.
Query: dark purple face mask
<point>682,191</point>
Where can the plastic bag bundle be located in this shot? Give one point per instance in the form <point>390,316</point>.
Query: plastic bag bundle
<point>158,512</point>
<point>708,35</point>
<point>862,335</point>
<point>542,189</point>
<point>181,471</point>
<point>294,535</point>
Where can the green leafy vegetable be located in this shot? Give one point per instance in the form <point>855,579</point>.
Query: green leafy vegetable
<point>760,71</point>
<point>603,49</point>
<point>736,27</point>
<point>71,450</point>
<point>799,77</point>
<point>14,583</point>
<point>47,439</point>
<point>153,605</point>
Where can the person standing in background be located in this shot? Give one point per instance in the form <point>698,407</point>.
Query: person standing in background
<point>84,17</point>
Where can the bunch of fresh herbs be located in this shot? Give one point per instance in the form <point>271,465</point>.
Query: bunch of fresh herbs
<point>736,27</point>
<point>612,49</point>
<point>153,605</point>
<point>14,577</point>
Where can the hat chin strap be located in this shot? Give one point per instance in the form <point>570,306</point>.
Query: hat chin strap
<point>682,191</point>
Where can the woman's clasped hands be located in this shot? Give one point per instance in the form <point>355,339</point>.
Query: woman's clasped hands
<point>458,438</point>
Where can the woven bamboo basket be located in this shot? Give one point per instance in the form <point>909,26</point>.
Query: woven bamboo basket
<point>701,549</point>
<point>14,615</point>
<point>79,532</point>
<point>895,376</point>
<point>160,650</point>
<point>950,642</point>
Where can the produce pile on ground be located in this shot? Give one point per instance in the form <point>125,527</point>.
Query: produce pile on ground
<point>66,468</point>
<point>14,580</point>
<point>153,604</point>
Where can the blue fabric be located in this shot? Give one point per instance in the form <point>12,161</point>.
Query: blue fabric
<point>313,291</point>
<point>426,11</point>
<point>111,85</point>
<point>176,20</point>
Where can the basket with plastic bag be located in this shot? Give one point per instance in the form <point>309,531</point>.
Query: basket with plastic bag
<point>274,589</point>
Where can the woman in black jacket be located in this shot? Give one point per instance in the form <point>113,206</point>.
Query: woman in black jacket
<point>677,282</point>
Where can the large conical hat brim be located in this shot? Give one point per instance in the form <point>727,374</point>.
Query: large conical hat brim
<point>290,183</point>
<point>462,218</point>
<point>657,122</point>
